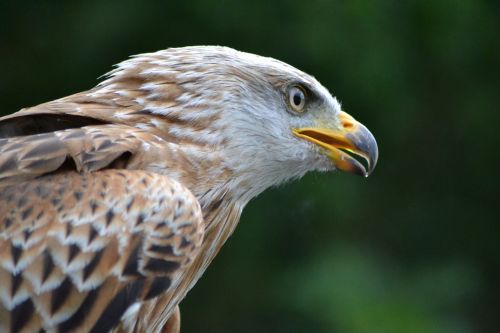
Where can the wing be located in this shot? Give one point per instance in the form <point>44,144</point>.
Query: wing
<point>78,251</point>
<point>70,141</point>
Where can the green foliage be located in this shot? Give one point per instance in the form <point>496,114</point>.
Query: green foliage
<point>413,248</point>
<point>352,290</point>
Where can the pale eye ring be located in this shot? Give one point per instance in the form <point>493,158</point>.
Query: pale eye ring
<point>296,98</point>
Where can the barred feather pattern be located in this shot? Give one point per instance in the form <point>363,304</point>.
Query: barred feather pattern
<point>77,259</point>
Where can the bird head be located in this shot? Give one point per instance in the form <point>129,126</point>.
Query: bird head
<point>266,120</point>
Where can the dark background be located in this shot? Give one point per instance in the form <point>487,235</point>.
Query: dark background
<point>413,248</point>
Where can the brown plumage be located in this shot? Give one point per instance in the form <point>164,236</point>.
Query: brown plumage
<point>114,201</point>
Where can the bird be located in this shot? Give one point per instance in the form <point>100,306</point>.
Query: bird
<point>114,200</point>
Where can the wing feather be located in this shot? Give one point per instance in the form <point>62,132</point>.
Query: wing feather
<point>88,148</point>
<point>79,249</point>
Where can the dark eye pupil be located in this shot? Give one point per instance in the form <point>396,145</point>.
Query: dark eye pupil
<point>297,99</point>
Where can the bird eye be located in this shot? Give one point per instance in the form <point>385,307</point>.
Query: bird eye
<point>297,98</point>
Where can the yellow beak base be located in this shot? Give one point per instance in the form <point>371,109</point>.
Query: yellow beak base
<point>352,137</point>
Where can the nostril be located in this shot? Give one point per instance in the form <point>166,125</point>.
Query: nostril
<point>347,124</point>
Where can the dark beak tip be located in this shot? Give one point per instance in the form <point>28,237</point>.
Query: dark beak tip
<point>373,159</point>
<point>365,142</point>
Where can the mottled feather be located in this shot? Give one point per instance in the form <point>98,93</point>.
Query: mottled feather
<point>80,259</point>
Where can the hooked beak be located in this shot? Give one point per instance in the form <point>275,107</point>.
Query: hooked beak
<point>352,137</point>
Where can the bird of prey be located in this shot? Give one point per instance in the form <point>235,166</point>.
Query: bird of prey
<point>113,201</point>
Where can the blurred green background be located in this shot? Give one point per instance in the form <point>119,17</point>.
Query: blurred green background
<point>413,248</point>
